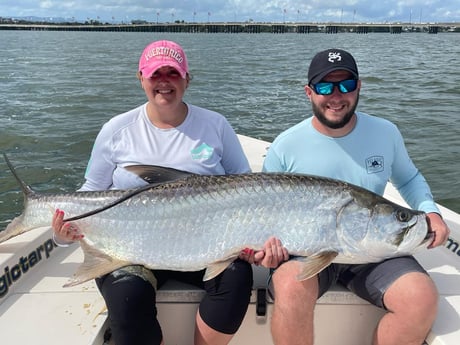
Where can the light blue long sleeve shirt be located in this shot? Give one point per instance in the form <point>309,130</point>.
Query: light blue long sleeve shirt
<point>372,154</point>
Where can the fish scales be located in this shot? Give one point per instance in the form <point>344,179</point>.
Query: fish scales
<point>211,222</point>
<point>204,221</point>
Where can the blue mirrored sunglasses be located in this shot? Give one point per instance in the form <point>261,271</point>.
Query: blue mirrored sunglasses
<point>327,87</point>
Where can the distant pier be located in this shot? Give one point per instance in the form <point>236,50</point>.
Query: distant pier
<point>251,28</point>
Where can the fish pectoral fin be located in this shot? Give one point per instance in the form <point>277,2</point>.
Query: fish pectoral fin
<point>314,264</point>
<point>217,268</point>
<point>95,264</point>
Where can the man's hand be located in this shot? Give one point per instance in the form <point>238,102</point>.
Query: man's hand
<point>271,256</point>
<point>439,228</point>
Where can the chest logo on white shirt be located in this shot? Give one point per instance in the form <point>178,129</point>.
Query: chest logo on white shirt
<point>374,164</point>
<point>202,152</point>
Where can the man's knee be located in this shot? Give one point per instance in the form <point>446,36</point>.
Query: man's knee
<point>285,284</point>
<point>416,290</point>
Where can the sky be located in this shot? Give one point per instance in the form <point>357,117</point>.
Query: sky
<point>359,11</point>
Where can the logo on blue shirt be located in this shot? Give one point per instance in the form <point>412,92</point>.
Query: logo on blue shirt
<point>374,164</point>
<point>204,151</point>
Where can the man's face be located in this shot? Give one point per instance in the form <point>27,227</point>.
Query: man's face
<point>334,111</point>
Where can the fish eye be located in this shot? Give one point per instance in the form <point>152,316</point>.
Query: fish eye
<point>403,215</point>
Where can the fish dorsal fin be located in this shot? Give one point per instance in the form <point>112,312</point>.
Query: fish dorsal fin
<point>313,264</point>
<point>157,174</point>
<point>217,268</point>
<point>95,264</point>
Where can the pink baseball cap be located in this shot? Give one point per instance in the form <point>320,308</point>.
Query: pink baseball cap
<point>160,54</point>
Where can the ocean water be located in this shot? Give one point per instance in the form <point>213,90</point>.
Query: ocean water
<point>58,88</point>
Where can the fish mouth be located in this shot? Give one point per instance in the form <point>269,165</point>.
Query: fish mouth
<point>429,238</point>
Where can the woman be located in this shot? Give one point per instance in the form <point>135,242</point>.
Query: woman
<point>165,132</point>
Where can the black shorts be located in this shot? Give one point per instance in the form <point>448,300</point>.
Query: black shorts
<point>368,281</point>
<point>227,296</point>
<point>130,297</point>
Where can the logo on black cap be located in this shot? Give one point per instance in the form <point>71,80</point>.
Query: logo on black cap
<point>334,56</point>
<point>328,61</point>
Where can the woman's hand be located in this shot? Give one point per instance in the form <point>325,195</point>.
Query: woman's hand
<point>64,233</point>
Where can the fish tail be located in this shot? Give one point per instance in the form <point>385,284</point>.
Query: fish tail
<point>26,189</point>
<point>16,227</point>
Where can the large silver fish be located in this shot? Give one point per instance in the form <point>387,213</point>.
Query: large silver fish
<point>200,222</point>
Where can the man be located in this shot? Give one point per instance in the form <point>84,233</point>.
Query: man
<point>340,143</point>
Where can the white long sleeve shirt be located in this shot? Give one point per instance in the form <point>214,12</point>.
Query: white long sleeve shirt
<point>204,143</point>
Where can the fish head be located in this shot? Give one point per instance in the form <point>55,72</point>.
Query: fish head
<point>381,229</point>
<point>397,230</point>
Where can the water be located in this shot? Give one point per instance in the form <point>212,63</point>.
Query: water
<point>58,88</point>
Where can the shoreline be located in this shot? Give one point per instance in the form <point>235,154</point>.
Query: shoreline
<point>279,28</point>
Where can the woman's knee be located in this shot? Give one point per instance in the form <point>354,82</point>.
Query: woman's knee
<point>122,289</point>
<point>130,301</point>
<point>227,298</point>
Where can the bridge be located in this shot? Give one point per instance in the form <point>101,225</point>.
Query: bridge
<point>249,27</point>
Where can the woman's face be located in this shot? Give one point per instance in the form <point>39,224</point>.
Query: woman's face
<point>165,87</point>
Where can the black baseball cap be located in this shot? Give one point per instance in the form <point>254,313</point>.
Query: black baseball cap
<point>330,60</point>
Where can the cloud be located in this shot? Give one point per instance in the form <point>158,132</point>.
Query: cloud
<point>239,10</point>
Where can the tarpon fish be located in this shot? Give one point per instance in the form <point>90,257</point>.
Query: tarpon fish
<point>196,222</point>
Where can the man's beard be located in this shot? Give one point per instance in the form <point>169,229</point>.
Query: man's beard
<point>330,124</point>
